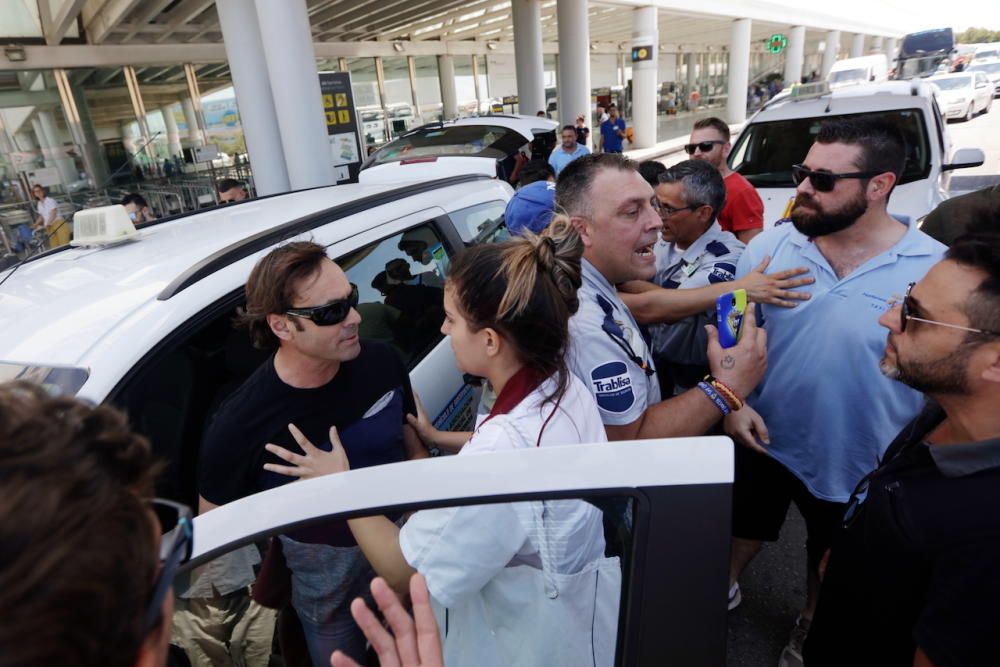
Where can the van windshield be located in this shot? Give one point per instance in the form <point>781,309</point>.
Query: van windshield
<point>765,152</point>
<point>848,75</point>
<point>488,141</point>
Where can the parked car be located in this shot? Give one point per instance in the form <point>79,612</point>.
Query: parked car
<point>147,324</point>
<point>780,134</point>
<point>991,70</point>
<point>964,94</point>
<point>475,145</point>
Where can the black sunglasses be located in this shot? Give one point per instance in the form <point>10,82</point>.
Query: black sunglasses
<point>824,181</point>
<point>703,146</point>
<point>332,313</point>
<point>909,306</point>
<point>177,528</point>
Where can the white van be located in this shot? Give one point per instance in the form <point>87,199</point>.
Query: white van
<point>866,69</point>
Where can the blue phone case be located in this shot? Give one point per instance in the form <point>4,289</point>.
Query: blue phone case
<point>729,311</point>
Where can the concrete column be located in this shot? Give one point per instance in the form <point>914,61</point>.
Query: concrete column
<point>298,103</point>
<point>858,46</point>
<point>475,83</point>
<point>81,126</point>
<point>173,134</point>
<point>191,120</point>
<point>411,68</point>
<point>449,96</point>
<point>528,63</point>
<point>66,165</point>
<point>831,53</point>
<point>794,54</point>
<point>574,60</point>
<point>878,44</point>
<point>245,52</point>
<point>890,51</point>
<point>644,33</point>
<point>40,139</point>
<point>739,71</point>
<point>689,72</point>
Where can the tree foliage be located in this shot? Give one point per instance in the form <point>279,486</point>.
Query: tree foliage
<point>978,36</point>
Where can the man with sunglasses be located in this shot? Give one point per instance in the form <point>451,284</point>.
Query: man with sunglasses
<point>743,214</point>
<point>301,304</point>
<point>912,576</point>
<point>88,555</point>
<point>829,412</point>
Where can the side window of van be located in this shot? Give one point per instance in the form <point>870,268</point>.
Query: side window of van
<point>400,283</point>
<point>482,223</point>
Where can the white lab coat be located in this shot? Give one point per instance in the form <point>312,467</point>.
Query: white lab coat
<point>522,583</point>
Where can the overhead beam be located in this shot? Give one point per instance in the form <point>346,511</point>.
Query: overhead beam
<point>28,98</point>
<point>185,12</point>
<point>151,13</point>
<point>61,22</point>
<point>103,18</point>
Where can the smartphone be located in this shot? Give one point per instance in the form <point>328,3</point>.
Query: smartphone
<point>729,312</point>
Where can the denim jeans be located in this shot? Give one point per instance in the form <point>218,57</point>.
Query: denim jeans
<point>339,632</point>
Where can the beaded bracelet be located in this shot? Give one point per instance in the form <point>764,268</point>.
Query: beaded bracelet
<point>714,396</point>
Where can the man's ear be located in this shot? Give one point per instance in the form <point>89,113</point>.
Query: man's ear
<point>991,371</point>
<point>726,148</point>
<point>582,226</point>
<point>879,186</point>
<point>280,326</point>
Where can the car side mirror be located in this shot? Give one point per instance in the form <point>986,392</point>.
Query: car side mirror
<point>965,158</point>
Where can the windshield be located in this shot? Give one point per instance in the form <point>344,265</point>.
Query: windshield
<point>952,83</point>
<point>766,152</point>
<point>488,141</point>
<point>57,380</point>
<point>847,75</point>
<point>989,68</point>
<point>986,54</point>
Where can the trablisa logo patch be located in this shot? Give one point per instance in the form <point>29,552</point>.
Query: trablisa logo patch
<point>612,386</point>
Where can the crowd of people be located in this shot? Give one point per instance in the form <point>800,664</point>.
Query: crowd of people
<point>863,389</point>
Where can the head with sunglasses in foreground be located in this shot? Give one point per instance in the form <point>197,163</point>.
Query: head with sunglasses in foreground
<point>911,578</point>
<point>81,576</point>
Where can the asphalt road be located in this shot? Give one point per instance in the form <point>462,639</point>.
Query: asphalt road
<point>774,584</point>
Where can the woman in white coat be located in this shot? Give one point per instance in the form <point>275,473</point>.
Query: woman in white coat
<point>514,583</point>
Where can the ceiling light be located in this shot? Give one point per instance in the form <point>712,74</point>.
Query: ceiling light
<point>397,47</point>
<point>491,46</point>
<point>15,53</point>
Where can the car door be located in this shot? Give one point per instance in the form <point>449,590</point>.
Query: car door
<point>665,504</point>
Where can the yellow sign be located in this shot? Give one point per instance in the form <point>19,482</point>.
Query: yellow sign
<point>344,115</point>
<point>327,101</point>
<point>331,117</point>
<point>341,99</point>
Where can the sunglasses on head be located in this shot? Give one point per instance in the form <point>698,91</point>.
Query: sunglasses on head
<point>824,181</point>
<point>177,531</point>
<point>329,314</point>
<point>703,146</point>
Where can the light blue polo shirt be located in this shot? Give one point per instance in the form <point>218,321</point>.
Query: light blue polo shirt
<point>830,411</point>
<point>559,158</point>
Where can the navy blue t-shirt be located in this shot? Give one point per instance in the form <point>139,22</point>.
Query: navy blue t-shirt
<point>367,401</point>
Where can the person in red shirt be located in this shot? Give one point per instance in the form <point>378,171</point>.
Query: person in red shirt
<point>743,214</point>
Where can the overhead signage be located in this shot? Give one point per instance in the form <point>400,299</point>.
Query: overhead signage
<point>777,43</point>
<point>205,153</point>
<point>510,99</point>
<point>341,124</point>
<point>642,53</point>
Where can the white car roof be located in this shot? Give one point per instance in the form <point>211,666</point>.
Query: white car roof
<point>849,99</point>
<point>522,123</point>
<point>53,309</point>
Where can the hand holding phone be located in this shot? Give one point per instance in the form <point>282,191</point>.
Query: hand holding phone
<point>730,309</point>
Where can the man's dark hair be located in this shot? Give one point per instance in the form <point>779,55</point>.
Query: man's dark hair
<point>227,184</point>
<point>77,556</point>
<point>573,194</point>
<point>571,128</point>
<point>703,184</point>
<point>716,124</point>
<point>535,170</point>
<point>883,148</point>
<point>271,287</point>
<point>134,198</point>
<point>651,170</point>
<point>980,250</point>
<point>956,216</point>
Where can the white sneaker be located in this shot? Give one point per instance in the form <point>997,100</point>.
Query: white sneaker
<point>735,597</point>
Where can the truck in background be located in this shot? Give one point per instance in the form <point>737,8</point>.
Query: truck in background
<point>866,69</point>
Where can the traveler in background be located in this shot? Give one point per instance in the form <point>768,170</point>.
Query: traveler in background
<point>912,576</point>
<point>531,208</point>
<point>507,311</point>
<point>137,208</point>
<point>567,151</point>
<point>231,191</point>
<point>582,131</point>
<point>650,171</point>
<point>824,358</point>
<point>48,218</point>
<point>744,211</point>
<point>612,131</point>
<point>84,573</point>
<point>534,171</point>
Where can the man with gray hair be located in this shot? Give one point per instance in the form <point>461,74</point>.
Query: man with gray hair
<point>693,251</point>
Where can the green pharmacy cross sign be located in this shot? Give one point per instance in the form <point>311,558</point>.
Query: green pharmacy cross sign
<point>777,43</point>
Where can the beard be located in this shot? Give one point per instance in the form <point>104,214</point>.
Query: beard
<point>811,220</point>
<point>940,376</point>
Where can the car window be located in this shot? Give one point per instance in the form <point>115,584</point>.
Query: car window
<point>989,68</point>
<point>848,75</point>
<point>952,82</point>
<point>482,223</point>
<point>766,151</point>
<point>490,141</point>
<point>589,570</point>
<point>57,380</point>
<point>400,283</point>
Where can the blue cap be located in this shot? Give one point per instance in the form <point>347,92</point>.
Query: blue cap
<point>531,208</point>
